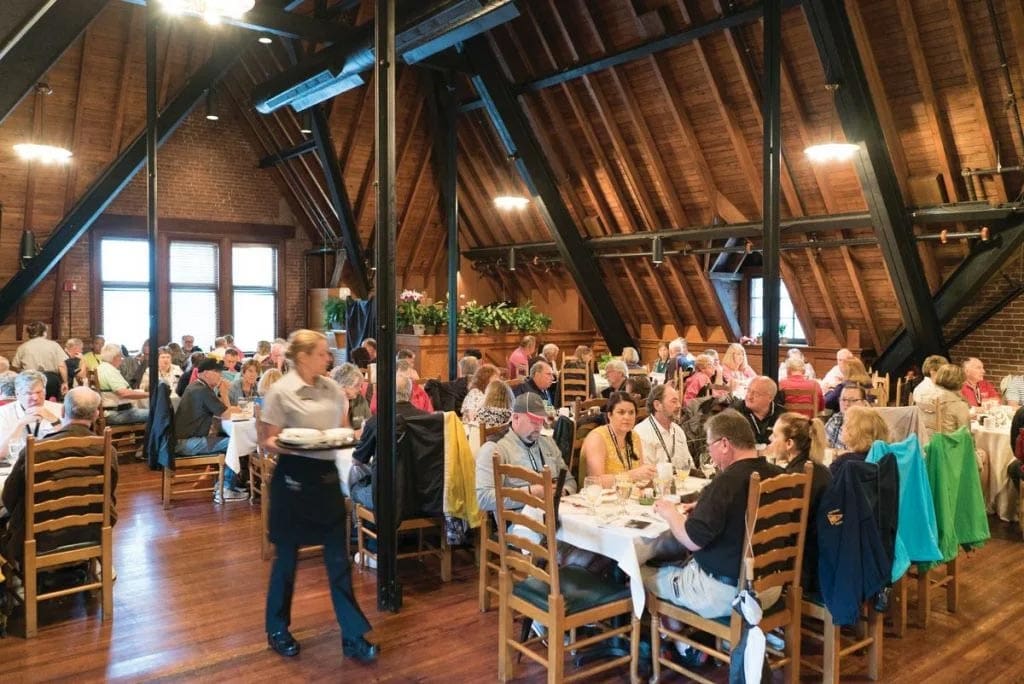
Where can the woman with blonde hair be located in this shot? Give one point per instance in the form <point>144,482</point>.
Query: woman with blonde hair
<point>862,427</point>
<point>796,441</point>
<point>497,406</point>
<point>306,504</point>
<point>631,357</point>
<point>735,366</point>
<point>268,378</point>
<point>944,399</point>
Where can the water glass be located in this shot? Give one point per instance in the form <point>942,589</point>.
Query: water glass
<point>592,492</point>
<point>623,490</point>
<point>15,448</point>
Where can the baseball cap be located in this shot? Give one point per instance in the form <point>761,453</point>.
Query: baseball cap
<point>530,404</point>
<point>210,364</point>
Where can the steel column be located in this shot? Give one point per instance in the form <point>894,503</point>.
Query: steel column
<point>152,229</point>
<point>339,198</point>
<point>830,27</point>
<point>771,108</point>
<point>389,591</point>
<point>27,60</point>
<point>112,181</point>
<point>520,144</point>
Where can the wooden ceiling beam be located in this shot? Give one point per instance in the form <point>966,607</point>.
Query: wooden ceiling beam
<point>643,296</point>
<point>362,201</point>
<point>165,69</point>
<point>357,125</point>
<point>418,242</point>
<point>976,88</point>
<point>837,50</point>
<point>71,180</point>
<point>469,184</point>
<point>800,304</point>
<point>485,182</point>
<point>134,30</point>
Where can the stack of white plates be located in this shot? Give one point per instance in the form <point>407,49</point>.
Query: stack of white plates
<point>308,438</point>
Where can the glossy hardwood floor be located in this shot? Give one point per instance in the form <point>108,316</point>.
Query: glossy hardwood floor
<point>189,607</point>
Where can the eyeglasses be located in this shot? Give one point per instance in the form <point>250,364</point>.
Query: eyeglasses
<point>711,444</point>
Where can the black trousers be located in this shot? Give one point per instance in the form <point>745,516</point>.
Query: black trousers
<point>339,575</point>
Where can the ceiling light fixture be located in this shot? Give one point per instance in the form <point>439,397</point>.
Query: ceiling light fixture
<point>511,258</point>
<point>509,202</point>
<point>831,151</point>
<point>265,40</point>
<point>38,152</point>
<point>210,10</point>
<point>657,251</point>
<point>211,112</point>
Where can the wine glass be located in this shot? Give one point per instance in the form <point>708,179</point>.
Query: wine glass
<point>623,489</point>
<point>592,492</point>
<point>708,468</point>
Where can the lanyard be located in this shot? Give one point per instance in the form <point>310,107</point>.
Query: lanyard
<point>34,432</point>
<point>534,465</point>
<point>657,431</point>
<point>629,451</point>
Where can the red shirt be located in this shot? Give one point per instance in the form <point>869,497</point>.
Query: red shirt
<point>801,404</point>
<point>975,395</point>
<point>420,399</point>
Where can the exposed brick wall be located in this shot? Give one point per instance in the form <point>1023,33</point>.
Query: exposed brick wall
<point>998,342</point>
<point>207,171</point>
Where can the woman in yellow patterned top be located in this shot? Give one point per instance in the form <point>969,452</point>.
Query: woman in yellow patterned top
<point>611,449</point>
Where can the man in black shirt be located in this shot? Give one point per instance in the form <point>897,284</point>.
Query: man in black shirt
<point>713,529</point>
<point>193,421</point>
<point>759,407</point>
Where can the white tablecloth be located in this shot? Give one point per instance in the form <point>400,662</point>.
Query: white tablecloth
<point>1002,497</point>
<point>628,547</point>
<point>242,442</point>
<point>5,471</point>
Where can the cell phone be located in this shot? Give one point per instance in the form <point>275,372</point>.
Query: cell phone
<point>637,524</point>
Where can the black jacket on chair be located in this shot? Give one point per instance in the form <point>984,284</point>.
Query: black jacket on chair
<point>419,477</point>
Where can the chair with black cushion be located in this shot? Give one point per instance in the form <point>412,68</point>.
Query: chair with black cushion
<point>562,599</point>
<point>68,518</point>
<point>183,476</point>
<point>776,523</point>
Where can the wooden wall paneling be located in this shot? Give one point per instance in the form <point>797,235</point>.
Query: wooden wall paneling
<point>641,295</point>
<point>547,135</point>
<point>414,191</point>
<point>362,203</point>
<point>300,202</point>
<point>584,170</point>
<point>133,28</point>
<point>596,146</point>
<point>347,141</point>
<point>976,87</point>
<point>165,69</point>
<point>661,177</point>
<point>630,314</point>
<point>417,242</point>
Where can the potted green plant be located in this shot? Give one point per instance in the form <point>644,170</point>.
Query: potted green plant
<point>525,319</point>
<point>782,333</point>
<point>434,316</point>
<point>335,317</point>
<point>473,318</point>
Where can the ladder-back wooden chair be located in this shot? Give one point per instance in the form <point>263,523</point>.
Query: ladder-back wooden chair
<point>880,388</point>
<point>776,523</point>
<point>68,502</point>
<point>127,439</point>
<point>533,586</point>
<point>573,385</point>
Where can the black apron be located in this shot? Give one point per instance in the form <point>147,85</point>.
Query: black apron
<point>306,503</point>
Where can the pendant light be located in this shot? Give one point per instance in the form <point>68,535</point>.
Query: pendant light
<point>831,151</point>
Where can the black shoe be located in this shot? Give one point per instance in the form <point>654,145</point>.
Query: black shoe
<point>360,649</point>
<point>284,643</point>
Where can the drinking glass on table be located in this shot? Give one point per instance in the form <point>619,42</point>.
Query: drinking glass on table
<point>15,449</point>
<point>592,492</point>
<point>623,489</point>
<point>244,406</point>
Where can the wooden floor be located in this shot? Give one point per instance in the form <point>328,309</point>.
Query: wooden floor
<point>189,607</point>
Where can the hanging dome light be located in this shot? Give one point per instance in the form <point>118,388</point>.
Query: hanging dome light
<point>831,151</point>
<point>508,202</point>
<point>38,152</point>
<point>211,10</point>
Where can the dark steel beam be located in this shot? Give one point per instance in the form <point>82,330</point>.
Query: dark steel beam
<point>118,174</point>
<point>964,212</point>
<point>444,119</point>
<point>271,18</point>
<point>339,199</point>
<point>520,143</point>
<point>959,290</point>
<point>771,108</point>
<point>389,590</point>
<point>837,49</point>
<point>26,60</point>
<point>667,42</point>
<point>284,155</point>
<point>152,223</point>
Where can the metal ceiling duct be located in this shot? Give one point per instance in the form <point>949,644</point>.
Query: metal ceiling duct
<point>424,30</point>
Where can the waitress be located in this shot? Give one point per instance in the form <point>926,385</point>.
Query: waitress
<point>306,503</point>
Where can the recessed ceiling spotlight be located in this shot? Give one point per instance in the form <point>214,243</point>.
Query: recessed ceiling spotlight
<point>266,40</point>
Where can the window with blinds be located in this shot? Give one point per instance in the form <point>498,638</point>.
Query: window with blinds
<point>194,273</point>
<point>254,293</point>
<point>124,291</point>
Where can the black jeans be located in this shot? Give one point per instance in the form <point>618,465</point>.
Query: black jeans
<point>339,575</point>
<point>1013,471</point>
